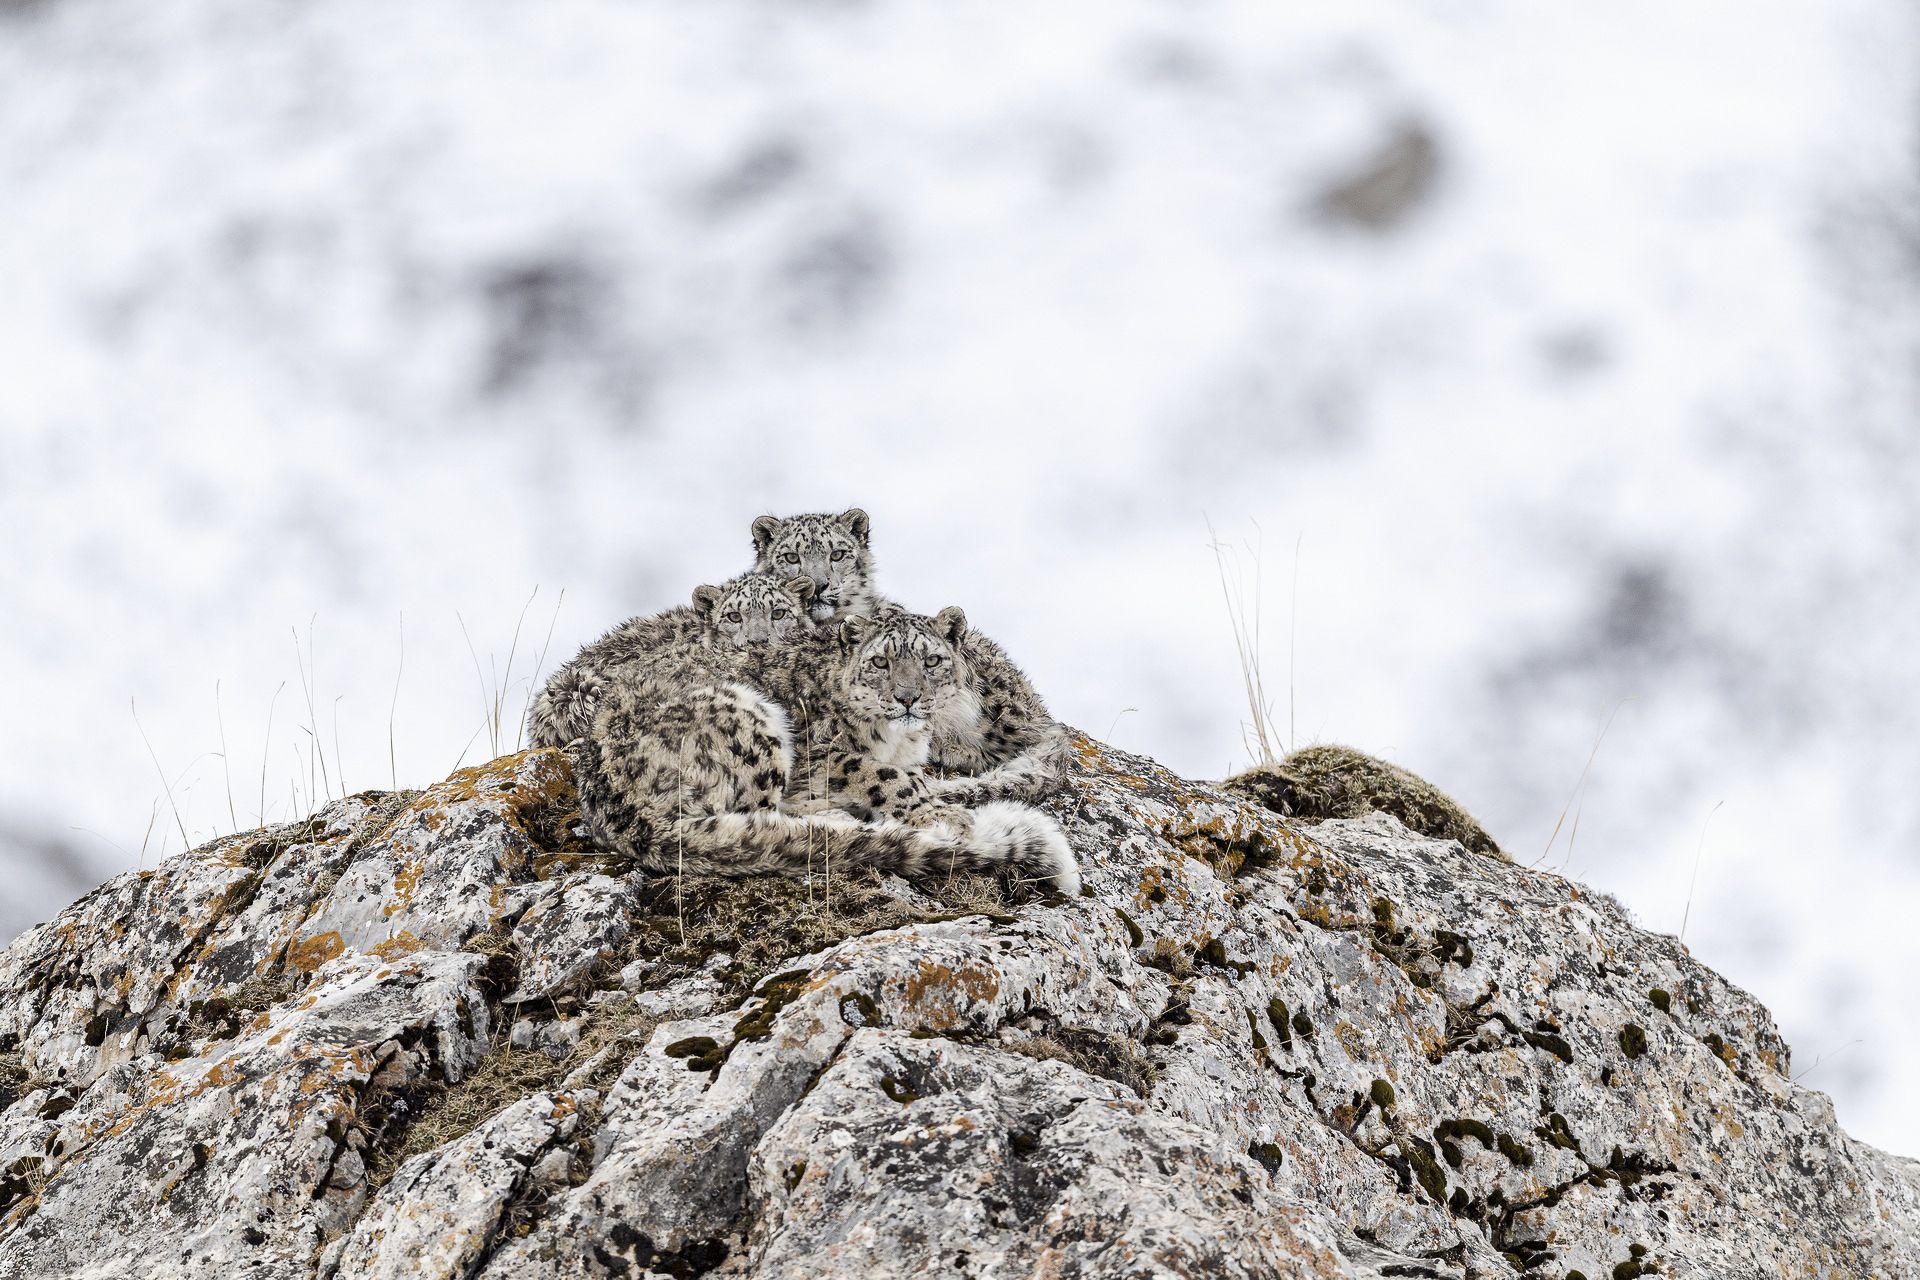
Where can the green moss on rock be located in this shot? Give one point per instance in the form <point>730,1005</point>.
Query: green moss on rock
<point>1277,1014</point>
<point>1319,783</point>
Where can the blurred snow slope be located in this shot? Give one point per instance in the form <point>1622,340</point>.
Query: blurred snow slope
<point>1576,351</point>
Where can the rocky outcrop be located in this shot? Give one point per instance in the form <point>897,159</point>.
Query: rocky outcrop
<point>430,1034</point>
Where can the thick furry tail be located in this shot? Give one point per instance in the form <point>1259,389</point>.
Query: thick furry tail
<point>1025,837</point>
<point>766,841</point>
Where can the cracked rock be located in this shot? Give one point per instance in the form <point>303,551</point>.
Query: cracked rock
<point>427,1034</point>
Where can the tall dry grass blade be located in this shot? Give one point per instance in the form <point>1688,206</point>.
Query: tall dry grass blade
<point>393,707</point>
<point>339,760</point>
<point>1698,849</point>
<point>1579,784</point>
<point>153,816</point>
<point>266,749</point>
<point>480,679</point>
<point>167,786</point>
<point>539,665</point>
<point>1798,1076</point>
<point>1293,635</point>
<point>463,751</point>
<point>307,683</point>
<point>1246,643</point>
<point>225,771</point>
<point>500,692</point>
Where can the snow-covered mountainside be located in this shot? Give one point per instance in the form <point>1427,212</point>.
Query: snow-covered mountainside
<point>1572,347</point>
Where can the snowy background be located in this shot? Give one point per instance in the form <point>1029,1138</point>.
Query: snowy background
<point>1571,353</point>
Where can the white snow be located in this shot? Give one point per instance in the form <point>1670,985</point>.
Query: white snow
<point>312,316</point>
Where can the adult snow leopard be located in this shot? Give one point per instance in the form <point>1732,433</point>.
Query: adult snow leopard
<point>1011,727</point>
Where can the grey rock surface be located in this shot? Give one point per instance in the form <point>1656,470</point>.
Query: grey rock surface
<point>429,1034</point>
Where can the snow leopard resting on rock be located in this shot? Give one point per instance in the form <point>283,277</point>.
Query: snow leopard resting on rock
<point>690,775</point>
<point>703,640</point>
<point>1011,738</point>
<point>904,680</point>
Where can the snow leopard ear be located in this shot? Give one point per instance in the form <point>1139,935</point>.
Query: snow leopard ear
<point>801,589</point>
<point>951,624</point>
<point>852,632</point>
<point>705,600</point>
<point>854,521</point>
<point>764,529</point>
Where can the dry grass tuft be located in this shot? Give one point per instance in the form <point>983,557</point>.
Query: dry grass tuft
<point>1095,1053</point>
<point>1259,731</point>
<point>763,921</point>
<point>226,1014</point>
<point>506,1076</point>
<point>1170,958</point>
<point>13,1078</point>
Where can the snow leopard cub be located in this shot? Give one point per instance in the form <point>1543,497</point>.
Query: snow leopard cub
<point>1013,737</point>
<point>705,639</point>
<point>831,550</point>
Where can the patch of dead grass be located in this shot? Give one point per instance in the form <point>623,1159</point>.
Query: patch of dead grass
<point>505,1076</point>
<point>763,921</point>
<point>1095,1053</point>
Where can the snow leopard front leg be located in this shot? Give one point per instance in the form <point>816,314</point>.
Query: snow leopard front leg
<point>871,789</point>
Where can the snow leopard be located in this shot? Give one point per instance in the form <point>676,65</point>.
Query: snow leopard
<point>1012,736</point>
<point>907,680</point>
<point>705,639</point>
<point>900,677</point>
<point>831,550</point>
<point>695,775</point>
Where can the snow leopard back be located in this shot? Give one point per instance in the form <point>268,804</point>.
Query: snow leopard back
<point>705,641</point>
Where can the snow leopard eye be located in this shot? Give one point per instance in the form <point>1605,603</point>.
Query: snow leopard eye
<point>839,555</point>
<point>789,558</point>
<point>879,660</point>
<point>734,616</point>
<point>780,613</point>
<point>933,660</point>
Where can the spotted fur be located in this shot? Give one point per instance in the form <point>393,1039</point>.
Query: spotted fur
<point>900,679</point>
<point>705,641</point>
<point>831,550</point>
<point>1012,743</point>
<point>691,776</point>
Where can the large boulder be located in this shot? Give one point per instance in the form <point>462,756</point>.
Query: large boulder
<point>434,1035</point>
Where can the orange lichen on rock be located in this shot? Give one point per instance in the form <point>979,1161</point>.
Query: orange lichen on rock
<point>400,944</point>
<point>405,879</point>
<point>308,954</point>
<point>940,992</point>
